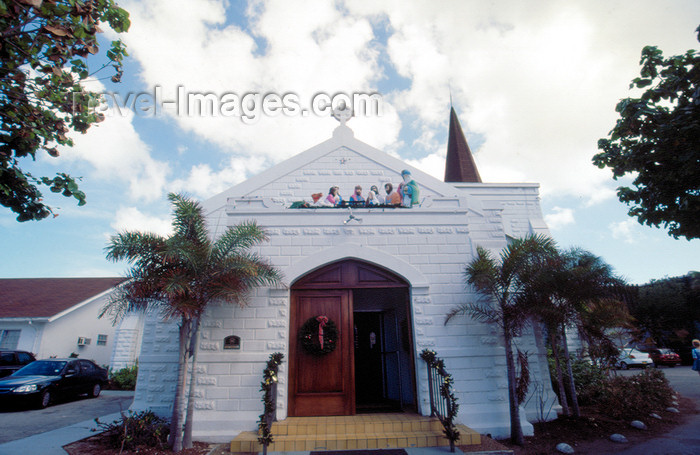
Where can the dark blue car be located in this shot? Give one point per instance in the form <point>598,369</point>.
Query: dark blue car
<point>38,383</point>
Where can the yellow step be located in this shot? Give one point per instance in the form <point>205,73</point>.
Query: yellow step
<point>371,431</point>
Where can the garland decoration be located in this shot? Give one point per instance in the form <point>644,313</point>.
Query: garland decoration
<point>269,388</point>
<point>437,366</point>
<point>319,335</point>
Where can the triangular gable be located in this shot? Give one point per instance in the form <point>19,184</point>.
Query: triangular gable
<point>343,161</point>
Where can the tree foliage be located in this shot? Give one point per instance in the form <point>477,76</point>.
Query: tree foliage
<point>44,47</point>
<point>668,310</point>
<point>504,284</point>
<point>657,141</point>
<point>180,275</point>
<point>575,288</point>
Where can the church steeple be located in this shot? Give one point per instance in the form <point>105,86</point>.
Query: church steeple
<point>459,165</point>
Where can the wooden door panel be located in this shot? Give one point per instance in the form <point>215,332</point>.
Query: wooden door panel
<point>321,385</point>
<point>321,374</point>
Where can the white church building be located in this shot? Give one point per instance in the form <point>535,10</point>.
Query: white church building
<point>385,276</point>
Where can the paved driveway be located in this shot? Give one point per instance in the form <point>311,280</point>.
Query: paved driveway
<point>21,423</point>
<point>684,439</point>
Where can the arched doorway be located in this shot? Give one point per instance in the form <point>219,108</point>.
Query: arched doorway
<point>372,367</point>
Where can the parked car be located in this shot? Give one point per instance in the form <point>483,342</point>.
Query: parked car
<point>663,356</point>
<point>41,381</point>
<point>11,361</point>
<point>629,357</point>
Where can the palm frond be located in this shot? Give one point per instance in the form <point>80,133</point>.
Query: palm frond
<point>481,312</point>
<point>238,238</point>
<point>135,247</point>
<point>188,218</point>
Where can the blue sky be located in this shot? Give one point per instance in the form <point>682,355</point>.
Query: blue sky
<point>534,84</point>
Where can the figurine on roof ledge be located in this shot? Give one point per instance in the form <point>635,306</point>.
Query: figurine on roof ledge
<point>333,198</point>
<point>409,189</point>
<point>373,197</point>
<point>392,197</point>
<point>357,199</point>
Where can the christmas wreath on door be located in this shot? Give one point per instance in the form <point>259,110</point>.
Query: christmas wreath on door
<point>319,335</point>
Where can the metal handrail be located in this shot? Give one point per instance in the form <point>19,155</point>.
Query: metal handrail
<point>443,403</point>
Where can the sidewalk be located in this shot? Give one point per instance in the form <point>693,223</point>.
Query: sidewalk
<point>51,442</point>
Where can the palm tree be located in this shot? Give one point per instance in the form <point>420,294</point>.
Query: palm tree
<point>575,288</point>
<point>504,284</point>
<point>180,275</point>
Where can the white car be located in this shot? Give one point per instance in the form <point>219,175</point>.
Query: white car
<point>630,357</point>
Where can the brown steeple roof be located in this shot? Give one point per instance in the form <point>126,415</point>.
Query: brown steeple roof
<point>459,165</point>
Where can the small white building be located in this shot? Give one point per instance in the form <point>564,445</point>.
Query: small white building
<point>385,276</point>
<point>57,317</point>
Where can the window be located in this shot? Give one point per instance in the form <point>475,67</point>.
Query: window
<point>7,358</point>
<point>9,339</point>
<point>24,358</point>
<point>101,340</point>
<point>87,367</point>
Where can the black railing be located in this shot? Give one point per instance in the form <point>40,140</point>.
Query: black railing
<point>443,403</point>
<point>269,388</point>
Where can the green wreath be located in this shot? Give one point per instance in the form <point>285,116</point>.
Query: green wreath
<point>311,340</point>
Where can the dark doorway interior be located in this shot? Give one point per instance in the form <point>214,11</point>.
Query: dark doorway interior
<point>383,365</point>
<point>370,379</point>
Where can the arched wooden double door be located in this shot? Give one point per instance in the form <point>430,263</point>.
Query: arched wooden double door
<point>325,384</point>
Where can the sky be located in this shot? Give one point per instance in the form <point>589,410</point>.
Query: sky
<point>534,85</point>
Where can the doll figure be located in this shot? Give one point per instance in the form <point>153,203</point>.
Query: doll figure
<point>373,198</point>
<point>410,191</point>
<point>333,197</point>
<point>392,197</point>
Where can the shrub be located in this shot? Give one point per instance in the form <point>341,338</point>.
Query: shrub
<point>636,396</point>
<point>124,379</point>
<point>134,430</point>
<point>589,380</point>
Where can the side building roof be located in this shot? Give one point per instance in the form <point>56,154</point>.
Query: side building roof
<point>47,297</point>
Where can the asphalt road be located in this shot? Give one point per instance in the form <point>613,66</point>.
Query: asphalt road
<point>684,439</point>
<point>20,423</point>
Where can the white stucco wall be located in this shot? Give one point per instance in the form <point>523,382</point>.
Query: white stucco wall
<point>427,245</point>
<point>30,332</point>
<point>60,335</point>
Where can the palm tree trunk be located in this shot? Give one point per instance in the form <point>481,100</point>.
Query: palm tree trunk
<point>516,430</point>
<point>187,438</point>
<point>175,436</point>
<point>572,385</point>
<point>560,377</point>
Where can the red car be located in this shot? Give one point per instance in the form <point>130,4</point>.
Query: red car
<point>665,356</point>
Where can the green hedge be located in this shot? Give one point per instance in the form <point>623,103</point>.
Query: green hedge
<point>124,379</point>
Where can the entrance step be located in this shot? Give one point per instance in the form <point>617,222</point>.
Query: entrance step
<point>365,431</point>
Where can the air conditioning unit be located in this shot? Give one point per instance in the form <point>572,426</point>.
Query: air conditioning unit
<point>83,341</point>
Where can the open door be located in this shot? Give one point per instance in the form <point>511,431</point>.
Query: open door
<point>321,385</point>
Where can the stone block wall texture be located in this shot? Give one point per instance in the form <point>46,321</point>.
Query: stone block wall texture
<point>127,342</point>
<point>431,243</point>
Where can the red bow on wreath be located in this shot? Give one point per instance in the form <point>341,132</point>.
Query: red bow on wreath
<point>322,321</point>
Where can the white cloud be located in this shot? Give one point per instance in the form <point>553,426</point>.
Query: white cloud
<point>560,218</point>
<point>538,80</point>
<point>117,153</point>
<point>311,47</point>
<point>431,164</point>
<point>133,219</point>
<point>204,182</point>
<point>627,230</point>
